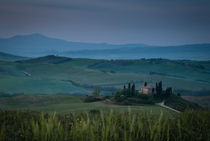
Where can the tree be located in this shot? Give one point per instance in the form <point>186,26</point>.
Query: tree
<point>129,89</point>
<point>157,90</point>
<point>133,90</point>
<point>168,92</point>
<point>145,84</point>
<point>153,90</point>
<point>129,85</point>
<point>96,92</point>
<point>160,87</point>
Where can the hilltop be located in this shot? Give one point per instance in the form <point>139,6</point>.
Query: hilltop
<point>51,59</point>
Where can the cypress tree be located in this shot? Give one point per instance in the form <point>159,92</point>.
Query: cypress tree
<point>129,89</point>
<point>96,92</point>
<point>157,89</point>
<point>160,88</point>
<point>133,90</point>
<point>124,90</point>
<point>129,85</point>
<point>168,92</point>
<point>145,84</point>
<point>153,90</point>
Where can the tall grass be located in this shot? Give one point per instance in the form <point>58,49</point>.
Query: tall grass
<point>104,126</point>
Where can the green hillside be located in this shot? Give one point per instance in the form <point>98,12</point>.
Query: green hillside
<point>51,59</point>
<point>52,74</point>
<point>180,104</point>
<point>64,104</point>
<point>9,57</point>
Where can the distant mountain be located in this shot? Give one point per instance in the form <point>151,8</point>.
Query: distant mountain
<point>9,57</point>
<point>185,52</point>
<point>37,45</point>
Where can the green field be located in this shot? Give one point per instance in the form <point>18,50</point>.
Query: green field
<point>32,91</point>
<point>202,100</point>
<point>65,104</point>
<point>51,75</point>
<point>104,126</point>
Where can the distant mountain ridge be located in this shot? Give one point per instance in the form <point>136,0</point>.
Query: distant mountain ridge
<point>182,52</point>
<point>36,45</point>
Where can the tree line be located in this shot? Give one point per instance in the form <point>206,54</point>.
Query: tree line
<point>160,93</point>
<point>157,92</point>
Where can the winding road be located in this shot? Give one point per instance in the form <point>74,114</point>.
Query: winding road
<point>163,105</point>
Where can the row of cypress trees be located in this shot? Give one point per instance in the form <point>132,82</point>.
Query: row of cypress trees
<point>160,93</point>
<point>130,90</point>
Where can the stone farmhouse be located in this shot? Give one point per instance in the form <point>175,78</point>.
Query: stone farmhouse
<point>147,90</point>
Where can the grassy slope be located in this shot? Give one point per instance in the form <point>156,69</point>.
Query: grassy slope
<point>191,70</point>
<point>180,104</point>
<point>66,104</point>
<point>106,126</point>
<point>82,75</point>
<point>201,100</point>
<point>9,57</point>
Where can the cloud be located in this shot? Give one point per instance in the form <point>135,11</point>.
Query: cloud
<point>109,20</point>
<point>72,6</point>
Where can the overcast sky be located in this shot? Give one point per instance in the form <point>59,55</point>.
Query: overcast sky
<point>155,22</point>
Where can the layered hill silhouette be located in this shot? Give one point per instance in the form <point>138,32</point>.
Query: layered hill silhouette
<point>37,45</point>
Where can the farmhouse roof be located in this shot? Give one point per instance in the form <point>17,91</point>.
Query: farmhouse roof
<point>149,87</point>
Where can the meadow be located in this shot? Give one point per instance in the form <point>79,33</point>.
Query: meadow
<point>41,99</point>
<point>78,77</point>
<point>61,103</point>
<point>52,74</point>
<point>110,126</point>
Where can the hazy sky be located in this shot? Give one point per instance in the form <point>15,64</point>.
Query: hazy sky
<point>156,22</point>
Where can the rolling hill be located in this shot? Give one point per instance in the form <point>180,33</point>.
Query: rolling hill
<point>9,57</point>
<point>184,52</point>
<point>54,74</point>
<point>51,59</point>
<point>66,104</point>
<point>37,45</point>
